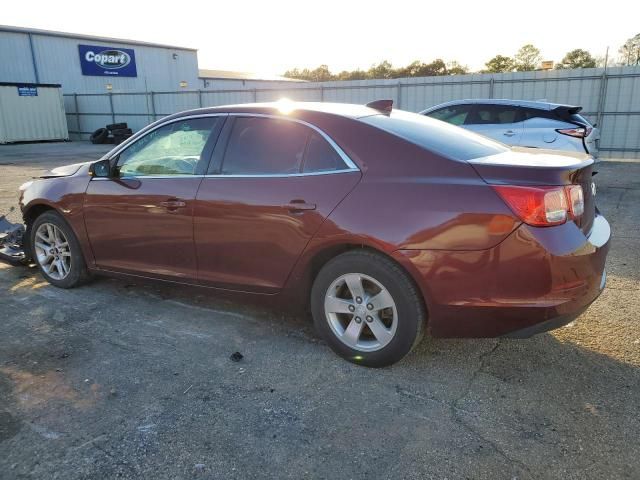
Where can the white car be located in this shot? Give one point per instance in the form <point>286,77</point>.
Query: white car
<point>522,123</point>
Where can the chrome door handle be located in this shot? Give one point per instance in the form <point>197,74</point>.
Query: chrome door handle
<point>173,204</point>
<point>509,133</point>
<point>297,206</point>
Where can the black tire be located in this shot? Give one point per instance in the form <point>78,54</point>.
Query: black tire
<point>117,126</point>
<point>411,314</point>
<point>77,274</point>
<point>118,139</point>
<point>99,136</point>
<point>121,131</point>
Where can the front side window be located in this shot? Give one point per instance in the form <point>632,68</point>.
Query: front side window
<point>455,114</point>
<point>265,146</point>
<point>174,149</point>
<point>494,114</point>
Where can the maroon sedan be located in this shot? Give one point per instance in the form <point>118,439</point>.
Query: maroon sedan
<point>383,222</point>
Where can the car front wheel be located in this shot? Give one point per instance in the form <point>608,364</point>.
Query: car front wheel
<point>367,308</point>
<point>57,252</point>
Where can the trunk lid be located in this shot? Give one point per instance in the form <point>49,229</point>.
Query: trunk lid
<point>535,167</point>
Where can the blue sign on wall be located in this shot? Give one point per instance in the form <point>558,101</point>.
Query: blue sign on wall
<point>107,61</point>
<point>27,91</point>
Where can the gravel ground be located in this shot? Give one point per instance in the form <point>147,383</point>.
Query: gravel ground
<point>123,379</point>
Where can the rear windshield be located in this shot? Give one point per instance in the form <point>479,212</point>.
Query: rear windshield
<point>436,136</point>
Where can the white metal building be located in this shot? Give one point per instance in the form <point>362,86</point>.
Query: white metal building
<point>88,64</point>
<point>229,80</point>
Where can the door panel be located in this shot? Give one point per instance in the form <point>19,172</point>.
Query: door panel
<point>509,133</point>
<point>250,231</point>
<point>140,220</point>
<point>143,225</point>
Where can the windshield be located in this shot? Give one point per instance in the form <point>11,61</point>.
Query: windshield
<point>436,136</point>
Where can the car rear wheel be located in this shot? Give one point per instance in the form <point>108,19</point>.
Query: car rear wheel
<point>57,252</point>
<point>367,308</point>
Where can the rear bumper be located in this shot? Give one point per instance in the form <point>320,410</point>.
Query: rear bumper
<point>537,279</point>
<point>553,323</point>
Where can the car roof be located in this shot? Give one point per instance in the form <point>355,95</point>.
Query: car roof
<point>540,105</point>
<point>286,106</point>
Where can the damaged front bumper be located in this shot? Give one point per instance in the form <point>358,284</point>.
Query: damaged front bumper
<point>12,236</point>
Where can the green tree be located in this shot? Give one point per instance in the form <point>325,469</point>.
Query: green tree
<point>414,69</point>
<point>455,68</point>
<point>421,69</point>
<point>577,58</point>
<point>436,68</point>
<point>356,74</point>
<point>321,74</point>
<point>384,69</point>
<point>630,51</point>
<point>499,64</point>
<point>293,73</point>
<point>528,58</point>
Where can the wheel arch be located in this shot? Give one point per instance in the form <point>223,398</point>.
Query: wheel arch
<point>29,215</point>
<point>303,282</point>
<point>34,209</point>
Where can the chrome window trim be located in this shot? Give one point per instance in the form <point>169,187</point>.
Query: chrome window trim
<point>283,175</point>
<point>351,166</point>
<point>256,175</point>
<point>138,177</point>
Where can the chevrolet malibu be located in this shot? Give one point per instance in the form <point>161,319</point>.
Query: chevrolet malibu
<point>384,223</point>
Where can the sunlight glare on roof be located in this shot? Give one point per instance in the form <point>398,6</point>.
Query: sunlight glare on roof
<point>286,105</point>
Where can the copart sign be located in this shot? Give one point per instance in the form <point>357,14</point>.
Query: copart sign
<point>107,61</point>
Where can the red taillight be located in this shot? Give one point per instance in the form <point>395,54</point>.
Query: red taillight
<point>543,206</point>
<point>578,132</point>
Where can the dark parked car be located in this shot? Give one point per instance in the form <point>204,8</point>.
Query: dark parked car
<point>384,222</point>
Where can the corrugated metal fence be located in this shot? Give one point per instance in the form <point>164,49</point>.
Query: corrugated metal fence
<point>611,99</point>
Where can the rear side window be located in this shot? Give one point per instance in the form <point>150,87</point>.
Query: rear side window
<point>438,137</point>
<point>264,146</point>
<point>321,157</point>
<point>455,114</point>
<point>494,114</point>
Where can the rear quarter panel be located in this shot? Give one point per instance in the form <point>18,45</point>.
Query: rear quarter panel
<point>408,199</point>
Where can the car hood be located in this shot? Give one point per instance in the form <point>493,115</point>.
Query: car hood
<point>64,171</point>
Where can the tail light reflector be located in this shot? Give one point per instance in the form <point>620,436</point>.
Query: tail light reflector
<point>543,206</point>
<point>576,200</point>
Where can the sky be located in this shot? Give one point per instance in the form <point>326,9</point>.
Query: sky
<point>272,36</point>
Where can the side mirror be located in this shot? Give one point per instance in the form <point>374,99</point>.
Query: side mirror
<point>100,169</point>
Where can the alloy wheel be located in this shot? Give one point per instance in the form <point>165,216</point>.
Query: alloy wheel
<point>361,312</point>
<point>52,251</point>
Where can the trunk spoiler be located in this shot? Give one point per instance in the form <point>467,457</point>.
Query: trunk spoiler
<point>565,111</point>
